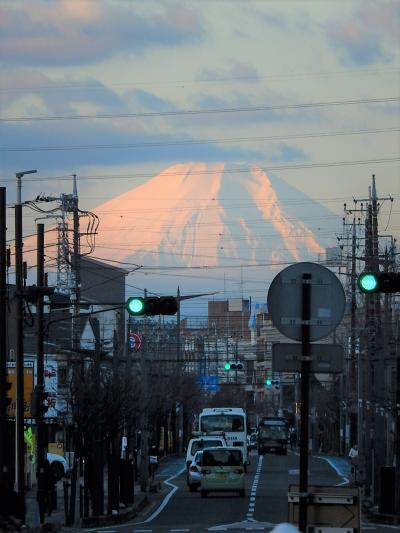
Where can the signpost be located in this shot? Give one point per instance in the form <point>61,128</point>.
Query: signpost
<point>325,358</point>
<point>306,302</point>
<point>330,508</point>
<point>28,388</point>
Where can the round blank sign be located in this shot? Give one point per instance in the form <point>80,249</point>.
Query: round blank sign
<point>285,301</point>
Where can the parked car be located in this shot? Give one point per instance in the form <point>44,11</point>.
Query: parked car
<point>194,472</point>
<point>222,470</point>
<point>58,465</point>
<point>199,443</point>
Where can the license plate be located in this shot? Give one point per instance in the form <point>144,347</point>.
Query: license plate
<point>221,476</point>
<point>272,449</point>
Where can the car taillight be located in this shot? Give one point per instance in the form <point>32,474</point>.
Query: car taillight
<point>193,468</point>
<point>238,471</point>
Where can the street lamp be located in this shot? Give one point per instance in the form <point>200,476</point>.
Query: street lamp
<point>19,409</point>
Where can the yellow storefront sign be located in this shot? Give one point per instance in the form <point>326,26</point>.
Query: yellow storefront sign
<point>28,388</point>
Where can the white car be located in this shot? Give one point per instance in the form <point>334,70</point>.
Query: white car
<point>199,443</point>
<point>194,472</point>
<point>58,465</point>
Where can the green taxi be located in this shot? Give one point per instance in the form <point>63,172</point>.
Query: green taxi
<point>222,470</point>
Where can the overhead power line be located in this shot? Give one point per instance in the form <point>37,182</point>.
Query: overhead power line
<point>158,144</point>
<point>192,112</point>
<point>264,168</point>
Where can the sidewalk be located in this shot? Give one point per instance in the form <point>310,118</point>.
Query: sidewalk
<point>56,522</point>
<point>343,468</point>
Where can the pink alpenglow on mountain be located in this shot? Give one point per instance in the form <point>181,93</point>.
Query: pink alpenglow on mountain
<point>233,223</point>
<point>202,214</point>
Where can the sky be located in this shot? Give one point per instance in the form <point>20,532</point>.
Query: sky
<point>117,91</point>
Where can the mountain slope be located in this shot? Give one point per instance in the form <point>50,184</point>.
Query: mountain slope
<point>197,214</point>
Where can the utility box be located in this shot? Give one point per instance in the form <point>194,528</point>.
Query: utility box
<point>331,509</point>
<point>388,490</point>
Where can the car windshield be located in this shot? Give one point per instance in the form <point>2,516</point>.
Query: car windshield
<point>222,423</point>
<point>197,458</point>
<point>273,432</point>
<point>201,444</point>
<point>222,458</point>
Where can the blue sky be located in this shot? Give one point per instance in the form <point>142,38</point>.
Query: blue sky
<point>143,64</point>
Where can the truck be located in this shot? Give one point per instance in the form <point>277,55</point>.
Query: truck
<point>272,435</point>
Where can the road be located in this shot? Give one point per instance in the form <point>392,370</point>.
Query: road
<point>265,504</point>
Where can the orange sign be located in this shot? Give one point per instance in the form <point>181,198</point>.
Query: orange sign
<point>28,388</point>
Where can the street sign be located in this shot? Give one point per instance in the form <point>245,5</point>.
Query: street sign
<point>285,301</point>
<point>28,387</point>
<point>325,358</point>
<point>135,341</point>
<point>331,508</point>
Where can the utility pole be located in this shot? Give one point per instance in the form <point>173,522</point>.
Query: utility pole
<point>3,344</point>
<point>19,356</point>
<point>144,436</point>
<point>371,361</point>
<point>40,367</point>
<point>76,262</point>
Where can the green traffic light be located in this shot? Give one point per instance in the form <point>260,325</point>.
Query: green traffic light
<point>268,382</point>
<point>135,306</point>
<point>227,366</point>
<point>368,282</point>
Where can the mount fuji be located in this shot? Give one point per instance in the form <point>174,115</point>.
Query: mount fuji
<point>208,227</point>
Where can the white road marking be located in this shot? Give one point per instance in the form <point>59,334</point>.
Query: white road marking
<point>163,503</point>
<point>167,498</point>
<point>256,480</point>
<point>246,525</point>
<point>336,469</point>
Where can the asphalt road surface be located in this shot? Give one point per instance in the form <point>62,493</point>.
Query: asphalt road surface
<point>265,504</point>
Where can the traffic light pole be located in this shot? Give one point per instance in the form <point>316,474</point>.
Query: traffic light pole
<point>305,393</point>
<point>3,337</point>
<point>19,411</point>
<point>40,368</point>
<point>19,352</point>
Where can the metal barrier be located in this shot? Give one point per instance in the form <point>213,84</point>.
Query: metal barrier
<point>330,509</point>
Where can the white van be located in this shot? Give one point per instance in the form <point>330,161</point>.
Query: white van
<point>200,443</point>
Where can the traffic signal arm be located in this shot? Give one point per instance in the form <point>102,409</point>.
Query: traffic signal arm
<point>152,305</point>
<point>374,282</point>
<point>233,365</point>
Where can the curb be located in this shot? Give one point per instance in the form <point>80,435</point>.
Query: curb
<point>121,517</point>
<point>374,515</point>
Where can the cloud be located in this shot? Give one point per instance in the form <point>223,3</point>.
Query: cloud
<point>237,70</point>
<point>75,33</point>
<point>368,37</point>
<point>110,147</point>
<point>59,97</point>
<point>148,101</point>
<point>273,19</point>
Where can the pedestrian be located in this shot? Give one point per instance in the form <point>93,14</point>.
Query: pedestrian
<point>320,441</point>
<point>12,508</point>
<point>293,438</point>
<point>46,491</point>
<point>353,455</point>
